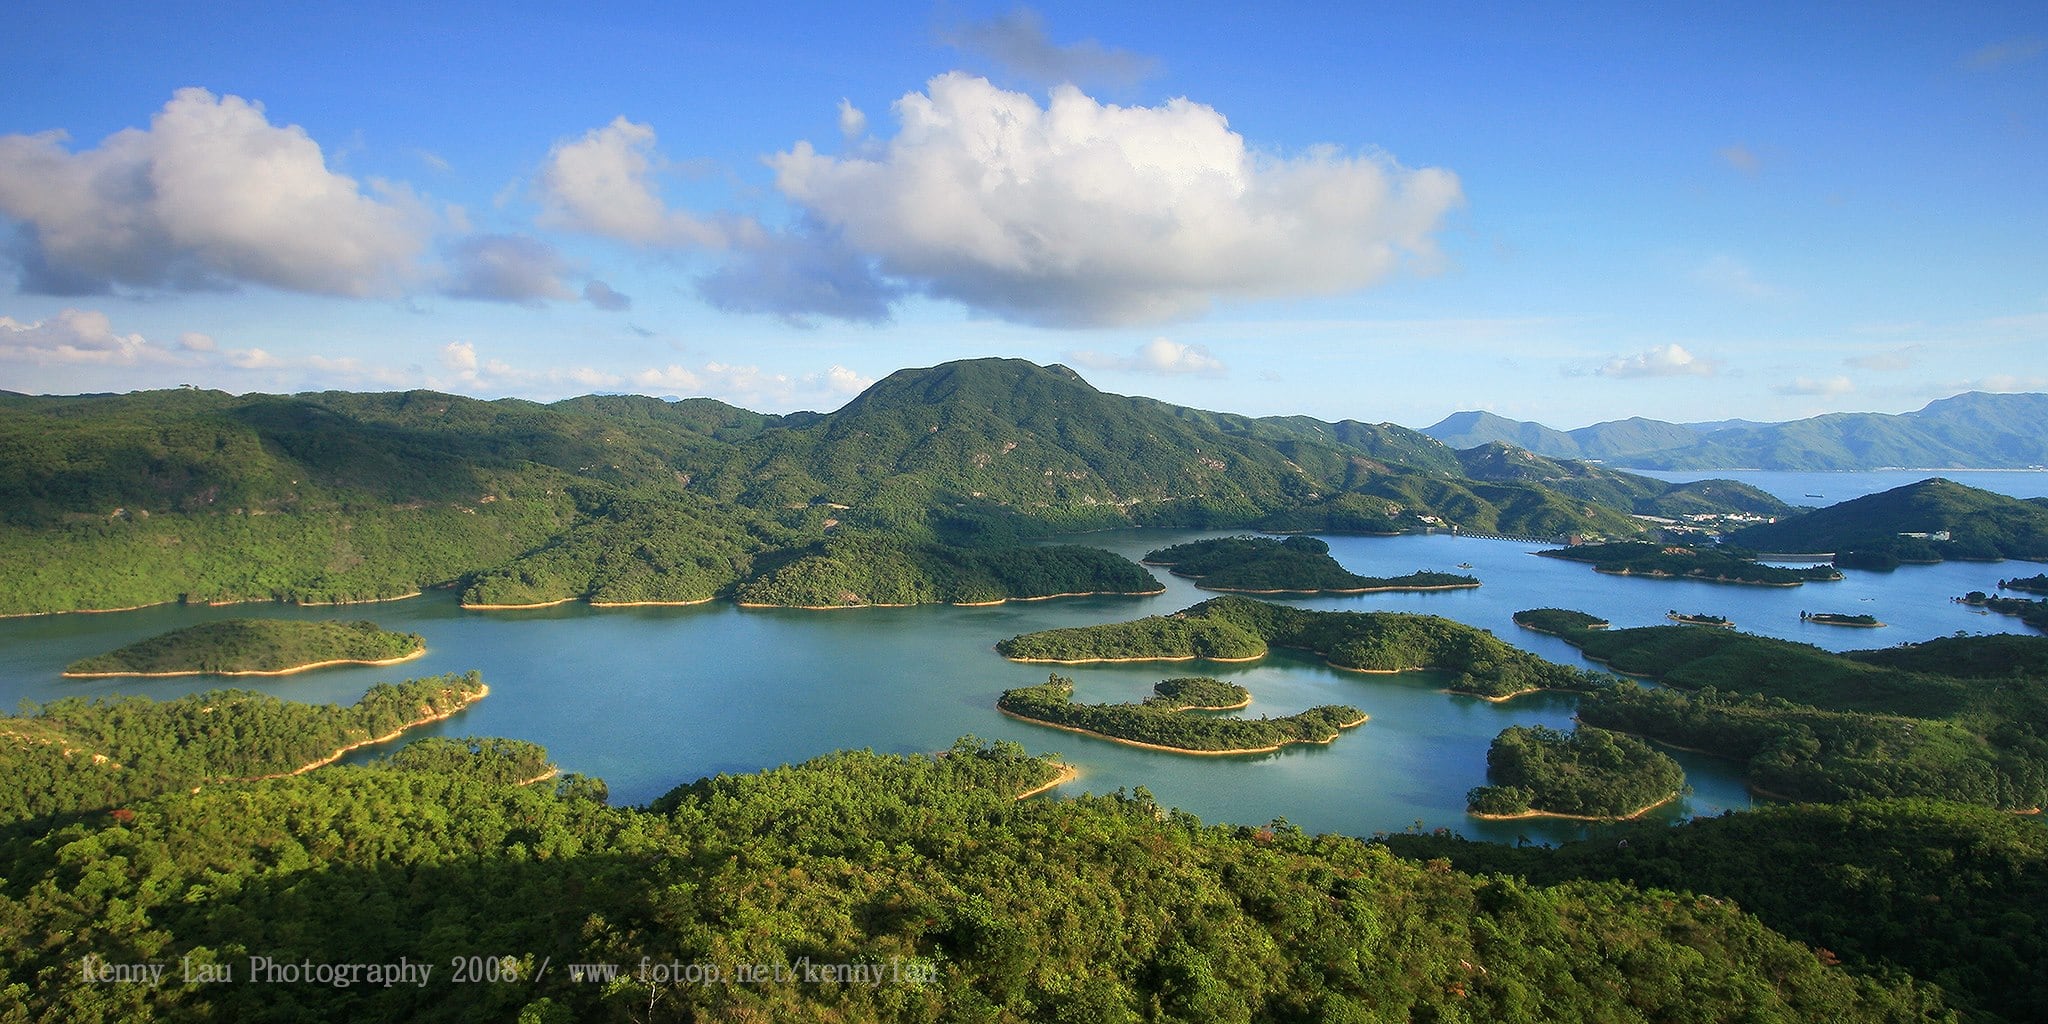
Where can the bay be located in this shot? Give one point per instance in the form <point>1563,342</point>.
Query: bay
<point>649,698</point>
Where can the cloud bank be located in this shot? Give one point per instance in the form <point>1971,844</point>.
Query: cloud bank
<point>1161,356</point>
<point>1665,361</point>
<point>211,195</point>
<point>1084,214</point>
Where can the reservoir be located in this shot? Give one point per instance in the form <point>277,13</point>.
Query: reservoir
<point>649,698</point>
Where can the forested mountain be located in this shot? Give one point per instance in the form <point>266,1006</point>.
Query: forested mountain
<point>1974,430</point>
<point>118,500</point>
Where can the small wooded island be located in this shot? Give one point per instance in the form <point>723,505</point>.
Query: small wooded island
<point>1586,773</point>
<point>1557,621</point>
<point>1162,721</point>
<point>1241,629</point>
<point>1661,561</point>
<point>253,647</point>
<point>1700,619</point>
<point>1296,565</point>
<point>1841,619</point>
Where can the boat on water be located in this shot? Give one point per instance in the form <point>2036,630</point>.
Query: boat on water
<point>1464,565</point>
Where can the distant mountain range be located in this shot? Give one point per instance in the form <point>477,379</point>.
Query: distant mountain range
<point>1969,431</point>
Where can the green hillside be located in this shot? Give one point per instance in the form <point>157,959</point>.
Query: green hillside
<point>1980,524</point>
<point>111,501</point>
<point>253,646</point>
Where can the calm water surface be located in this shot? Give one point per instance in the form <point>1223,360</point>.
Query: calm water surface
<point>649,698</point>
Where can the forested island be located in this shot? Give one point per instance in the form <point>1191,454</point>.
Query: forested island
<point>925,867</point>
<point>1841,619</point>
<point>1297,565</point>
<point>1557,621</point>
<point>1162,721</point>
<point>1586,773</point>
<point>1662,561</point>
<point>1699,619</point>
<point>2033,613</point>
<point>1941,719</point>
<point>1242,629</point>
<point>253,647</point>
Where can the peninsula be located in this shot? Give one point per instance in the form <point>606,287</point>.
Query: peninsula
<point>1674,562</point>
<point>253,647</point>
<point>1298,565</point>
<point>1162,721</point>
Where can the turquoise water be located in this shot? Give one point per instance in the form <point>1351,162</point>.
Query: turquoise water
<point>650,698</point>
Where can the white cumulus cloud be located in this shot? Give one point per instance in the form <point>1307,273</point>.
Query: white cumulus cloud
<point>74,336</point>
<point>1082,213</point>
<point>1160,356</point>
<point>1664,361</point>
<point>604,183</point>
<point>210,195</point>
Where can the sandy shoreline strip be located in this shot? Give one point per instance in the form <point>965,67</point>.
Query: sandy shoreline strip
<point>1068,773</point>
<point>1575,817</point>
<point>465,606</point>
<point>1275,748</point>
<point>651,604</point>
<point>956,604</point>
<point>1353,590</point>
<point>294,670</point>
<point>1112,661</point>
<point>483,690</point>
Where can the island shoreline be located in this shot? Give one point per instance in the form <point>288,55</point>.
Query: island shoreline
<point>1274,749</point>
<point>293,670</point>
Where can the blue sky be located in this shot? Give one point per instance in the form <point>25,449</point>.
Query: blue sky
<point>1352,211</point>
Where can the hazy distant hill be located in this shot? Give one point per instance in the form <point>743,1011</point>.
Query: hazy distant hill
<point>1969,431</point>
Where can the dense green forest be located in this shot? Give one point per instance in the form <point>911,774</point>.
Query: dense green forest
<point>75,755</point>
<point>1162,720</point>
<point>1297,565</point>
<point>1239,628</point>
<point>870,569</point>
<point>964,902</point>
<point>1950,894</point>
<point>252,646</point>
<point>1875,528</point>
<point>112,501</point>
<point>1959,718</point>
<point>1658,561</point>
<point>1586,773</point>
